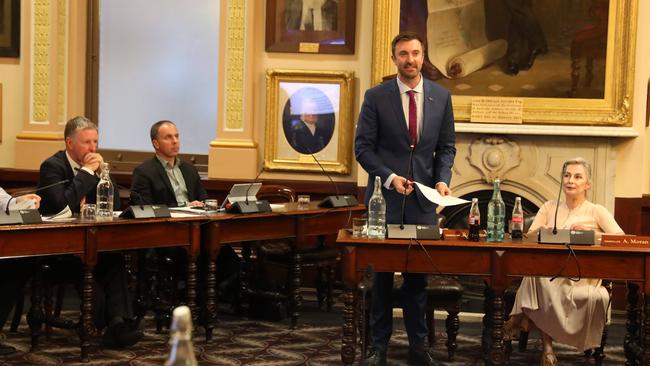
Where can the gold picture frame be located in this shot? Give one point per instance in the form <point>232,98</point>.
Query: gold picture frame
<point>615,109</point>
<point>309,120</point>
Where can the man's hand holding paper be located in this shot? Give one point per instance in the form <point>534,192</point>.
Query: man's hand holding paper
<point>434,196</point>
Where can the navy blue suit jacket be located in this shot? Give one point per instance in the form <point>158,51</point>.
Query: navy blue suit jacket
<point>54,199</point>
<point>382,144</point>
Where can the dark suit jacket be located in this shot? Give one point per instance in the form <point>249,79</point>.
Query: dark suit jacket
<point>54,199</point>
<point>382,142</point>
<point>152,186</point>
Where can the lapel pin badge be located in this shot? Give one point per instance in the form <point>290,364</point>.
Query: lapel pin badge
<point>430,99</point>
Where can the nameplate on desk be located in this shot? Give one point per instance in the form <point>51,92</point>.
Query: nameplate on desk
<point>17,217</point>
<point>145,212</point>
<point>397,231</point>
<point>626,241</point>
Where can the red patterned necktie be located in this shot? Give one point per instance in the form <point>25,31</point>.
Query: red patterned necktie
<point>413,118</point>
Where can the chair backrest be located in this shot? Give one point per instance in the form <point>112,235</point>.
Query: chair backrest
<point>276,193</point>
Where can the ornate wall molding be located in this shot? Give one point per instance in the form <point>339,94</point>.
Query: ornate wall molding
<point>40,77</point>
<point>235,57</point>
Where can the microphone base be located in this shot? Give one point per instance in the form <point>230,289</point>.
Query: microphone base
<point>429,232</point>
<point>17,217</point>
<point>565,236</point>
<point>338,201</point>
<point>249,207</point>
<point>145,212</point>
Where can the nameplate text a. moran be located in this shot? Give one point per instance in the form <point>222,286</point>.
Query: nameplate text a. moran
<point>625,240</point>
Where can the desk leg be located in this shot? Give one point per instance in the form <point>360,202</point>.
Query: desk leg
<point>646,330</point>
<point>497,352</point>
<point>296,301</point>
<point>192,254</point>
<point>348,342</point>
<point>87,327</point>
<point>210,311</point>
<point>632,341</point>
<point>191,287</point>
<point>36,315</point>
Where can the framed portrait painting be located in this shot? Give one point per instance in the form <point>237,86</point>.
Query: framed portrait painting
<point>9,28</point>
<point>309,120</point>
<point>571,62</point>
<point>311,26</point>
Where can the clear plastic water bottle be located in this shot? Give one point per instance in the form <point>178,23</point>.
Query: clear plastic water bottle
<point>517,222</point>
<point>181,352</point>
<point>104,195</point>
<point>496,215</point>
<point>377,213</point>
<point>474,221</point>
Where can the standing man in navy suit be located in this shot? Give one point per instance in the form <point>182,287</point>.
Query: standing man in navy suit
<point>408,115</point>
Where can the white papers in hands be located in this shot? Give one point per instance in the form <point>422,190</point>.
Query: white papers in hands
<point>432,195</point>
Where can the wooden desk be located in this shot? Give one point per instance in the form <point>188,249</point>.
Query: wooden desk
<point>497,263</point>
<point>289,222</point>
<point>86,240</point>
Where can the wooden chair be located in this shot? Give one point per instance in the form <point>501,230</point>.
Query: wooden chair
<point>443,292</point>
<point>282,253</point>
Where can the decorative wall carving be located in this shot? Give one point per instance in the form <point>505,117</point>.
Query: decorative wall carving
<point>494,156</point>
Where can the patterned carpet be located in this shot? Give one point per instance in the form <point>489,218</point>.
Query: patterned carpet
<point>245,342</point>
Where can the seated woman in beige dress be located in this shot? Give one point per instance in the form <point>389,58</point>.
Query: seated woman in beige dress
<point>565,311</point>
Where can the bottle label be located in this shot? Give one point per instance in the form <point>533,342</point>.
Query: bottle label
<point>516,219</point>
<point>474,221</point>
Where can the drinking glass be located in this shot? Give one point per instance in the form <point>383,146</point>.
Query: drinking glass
<point>88,212</point>
<point>211,205</point>
<point>359,227</point>
<point>303,201</point>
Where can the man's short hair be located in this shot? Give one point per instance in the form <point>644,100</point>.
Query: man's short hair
<point>153,133</point>
<point>77,124</point>
<point>405,36</point>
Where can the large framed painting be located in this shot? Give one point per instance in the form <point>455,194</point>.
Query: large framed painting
<point>309,120</point>
<point>9,28</point>
<point>311,26</point>
<point>571,62</point>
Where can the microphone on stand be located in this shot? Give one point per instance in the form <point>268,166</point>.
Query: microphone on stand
<point>565,236</point>
<point>411,231</point>
<point>408,174</point>
<point>140,210</point>
<point>28,216</point>
<point>247,206</point>
<point>338,200</point>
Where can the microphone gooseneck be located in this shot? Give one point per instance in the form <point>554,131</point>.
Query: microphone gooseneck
<point>29,191</point>
<point>557,202</point>
<point>408,174</point>
<point>8,204</point>
<point>254,181</point>
<point>336,188</point>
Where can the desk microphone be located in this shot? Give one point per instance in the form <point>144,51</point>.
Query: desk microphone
<point>408,174</point>
<point>248,206</point>
<point>140,210</point>
<point>31,191</point>
<point>403,231</point>
<point>338,200</point>
<point>31,216</point>
<point>565,236</point>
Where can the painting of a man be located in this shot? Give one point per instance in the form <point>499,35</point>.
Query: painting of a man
<point>311,15</point>
<point>308,120</point>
